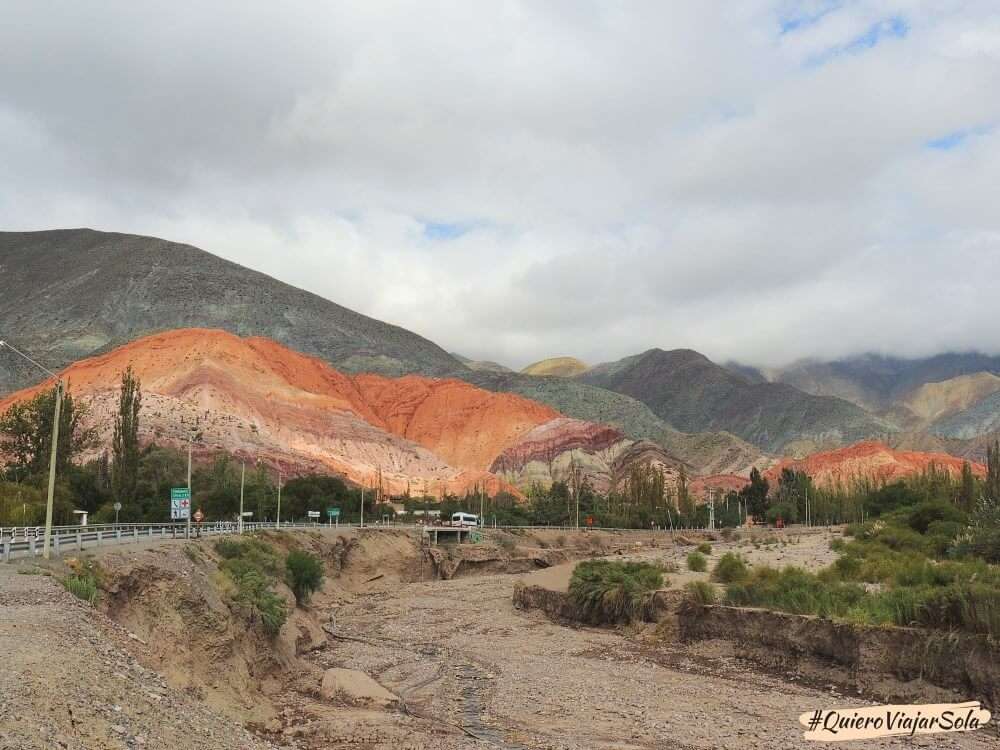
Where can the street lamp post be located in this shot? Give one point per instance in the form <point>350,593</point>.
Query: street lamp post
<point>55,445</point>
<point>243,476</point>
<point>278,521</point>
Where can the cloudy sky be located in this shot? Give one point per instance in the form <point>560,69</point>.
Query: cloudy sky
<point>516,180</point>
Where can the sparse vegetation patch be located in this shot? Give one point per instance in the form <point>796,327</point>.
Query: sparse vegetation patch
<point>609,591</point>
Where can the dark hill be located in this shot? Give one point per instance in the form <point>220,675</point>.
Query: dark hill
<point>694,394</point>
<point>66,294</point>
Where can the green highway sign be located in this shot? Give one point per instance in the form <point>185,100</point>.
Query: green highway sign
<point>180,493</point>
<point>333,512</point>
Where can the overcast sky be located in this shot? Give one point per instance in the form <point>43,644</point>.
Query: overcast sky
<point>516,180</point>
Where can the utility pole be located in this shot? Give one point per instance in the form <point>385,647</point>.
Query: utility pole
<point>278,523</point>
<point>362,506</point>
<point>52,471</point>
<point>243,475</point>
<point>190,495</point>
<point>55,445</point>
<point>482,501</point>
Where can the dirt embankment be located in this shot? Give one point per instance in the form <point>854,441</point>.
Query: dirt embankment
<point>901,665</point>
<point>892,664</point>
<point>178,603</point>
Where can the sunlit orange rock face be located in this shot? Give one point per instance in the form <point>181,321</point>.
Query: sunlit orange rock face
<point>869,460</point>
<point>257,398</point>
<point>465,425</point>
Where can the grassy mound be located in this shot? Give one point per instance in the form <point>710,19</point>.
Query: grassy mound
<point>730,568</point>
<point>697,562</point>
<point>608,591</point>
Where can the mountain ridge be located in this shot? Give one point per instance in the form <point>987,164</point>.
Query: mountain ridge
<point>72,293</point>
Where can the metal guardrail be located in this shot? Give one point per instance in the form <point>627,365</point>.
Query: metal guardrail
<point>21,541</point>
<point>26,541</point>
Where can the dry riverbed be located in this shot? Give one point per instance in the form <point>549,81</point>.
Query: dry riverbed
<point>471,671</point>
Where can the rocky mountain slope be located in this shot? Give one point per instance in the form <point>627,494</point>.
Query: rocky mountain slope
<point>578,400</point>
<point>68,294</point>
<point>932,402</point>
<point>981,418</point>
<point>693,394</point>
<point>869,460</point>
<point>481,364</point>
<point>875,381</point>
<point>255,397</point>
<point>559,367</point>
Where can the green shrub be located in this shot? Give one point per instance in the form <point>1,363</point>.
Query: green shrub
<point>252,564</point>
<point>255,596</point>
<point>608,591</point>
<point>705,548</point>
<point>82,586</point>
<point>730,568</point>
<point>701,592</point>
<point>985,543</point>
<point>228,548</point>
<point>304,573</point>
<point>920,517</point>
<point>794,590</point>
<point>697,562</point>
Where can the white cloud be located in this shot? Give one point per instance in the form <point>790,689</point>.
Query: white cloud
<point>624,176</point>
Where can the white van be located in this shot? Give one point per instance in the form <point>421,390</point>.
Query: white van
<point>464,519</point>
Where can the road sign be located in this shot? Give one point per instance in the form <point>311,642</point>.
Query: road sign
<point>199,516</point>
<point>117,507</point>
<point>333,512</point>
<point>180,503</point>
<point>313,513</point>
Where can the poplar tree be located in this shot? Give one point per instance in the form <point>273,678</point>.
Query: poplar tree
<point>125,446</point>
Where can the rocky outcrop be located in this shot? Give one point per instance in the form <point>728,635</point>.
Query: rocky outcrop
<point>464,425</point>
<point>869,460</point>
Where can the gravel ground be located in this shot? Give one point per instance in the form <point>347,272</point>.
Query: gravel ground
<point>535,684</point>
<point>472,672</point>
<point>67,681</point>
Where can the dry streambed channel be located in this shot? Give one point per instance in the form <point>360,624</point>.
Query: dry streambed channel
<point>461,654</point>
<point>421,662</point>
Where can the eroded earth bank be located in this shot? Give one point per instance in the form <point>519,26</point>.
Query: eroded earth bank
<point>403,647</point>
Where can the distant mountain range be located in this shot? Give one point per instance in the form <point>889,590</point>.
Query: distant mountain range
<point>872,381</point>
<point>69,294</point>
<point>693,394</point>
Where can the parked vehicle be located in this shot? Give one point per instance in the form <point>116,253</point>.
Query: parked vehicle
<point>464,519</point>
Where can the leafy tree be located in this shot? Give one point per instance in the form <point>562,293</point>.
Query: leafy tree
<point>754,495</point>
<point>967,488</point>
<point>27,430</point>
<point>125,443</point>
<point>991,489</point>
<point>305,574</point>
